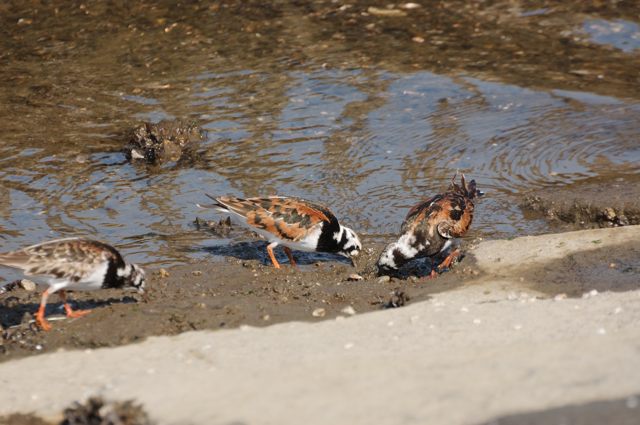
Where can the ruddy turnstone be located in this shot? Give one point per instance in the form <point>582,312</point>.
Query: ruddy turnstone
<point>73,264</point>
<point>292,222</point>
<point>430,227</point>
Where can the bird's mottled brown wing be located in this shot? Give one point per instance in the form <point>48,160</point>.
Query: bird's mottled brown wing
<point>287,218</point>
<point>63,258</point>
<point>450,214</point>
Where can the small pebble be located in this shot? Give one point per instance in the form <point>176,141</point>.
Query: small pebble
<point>196,273</point>
<point>266,317</point>
<point>319,312</point>
<point>163,273</point>
<point>477,321</point>
<point>355,277</point>
<point>410,6</point>
<point>601,331</point>
<point>383,279</point>
<point>348,310</point>
<point>349,345</point>
<point>464,310</point>
<point>517,327</point>
<point>28,285</point>
<point>376,11</point>
<point>618,310</point>
<point>417,39</point>
<point>560,297</point>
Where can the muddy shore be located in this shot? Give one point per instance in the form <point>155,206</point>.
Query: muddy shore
<point>246,290</point>
<point>589,203</point>
<point>497,346</point>
<point>221,294</point>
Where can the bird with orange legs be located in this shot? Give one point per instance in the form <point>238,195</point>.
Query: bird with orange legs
<point>430,227</point>
<point>73,264</point>
<point>292,222</point>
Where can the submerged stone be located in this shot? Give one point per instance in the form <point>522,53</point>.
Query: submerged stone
<point>166,141</point>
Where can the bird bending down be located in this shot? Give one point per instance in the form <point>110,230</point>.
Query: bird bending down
<point>293,223</point>
<point>430,227</point>
<point>73,264</point>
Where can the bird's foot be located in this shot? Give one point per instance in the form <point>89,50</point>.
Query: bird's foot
<point>74,314</point>
<point>448,261</point>
<point>42,322</point>
<point>432,275</point>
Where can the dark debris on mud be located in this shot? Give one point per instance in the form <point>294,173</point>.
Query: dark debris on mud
<point>95,411</point>
<point>398,299</point>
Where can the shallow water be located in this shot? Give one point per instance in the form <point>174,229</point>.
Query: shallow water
<point>335,105</point>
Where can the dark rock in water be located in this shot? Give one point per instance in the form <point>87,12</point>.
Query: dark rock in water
<point>98,412</point>
<point>163,142</point>
<point>218,228</point>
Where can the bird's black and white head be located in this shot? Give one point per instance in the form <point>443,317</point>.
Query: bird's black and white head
<point>133,277</point>
<point>390,260</point>
<point>349,244</point>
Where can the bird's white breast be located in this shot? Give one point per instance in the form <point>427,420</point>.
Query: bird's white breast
<point>92,281</point>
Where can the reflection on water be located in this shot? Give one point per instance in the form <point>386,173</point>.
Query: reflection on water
<point>621,34</point>
<point>369,141</point>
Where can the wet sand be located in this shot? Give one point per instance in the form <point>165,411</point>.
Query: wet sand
<point>221,294</point>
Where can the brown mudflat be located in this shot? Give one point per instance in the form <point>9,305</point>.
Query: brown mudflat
<point>595,202</point>
<point>215,294</point>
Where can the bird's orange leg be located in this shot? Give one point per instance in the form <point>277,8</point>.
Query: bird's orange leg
<point>70,313</point>
<point>292,261</point>
<point>40,320</point>
<point>449,260</point>
<point>273,257</point>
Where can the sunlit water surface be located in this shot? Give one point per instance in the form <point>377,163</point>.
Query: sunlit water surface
<point>367,142</point>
